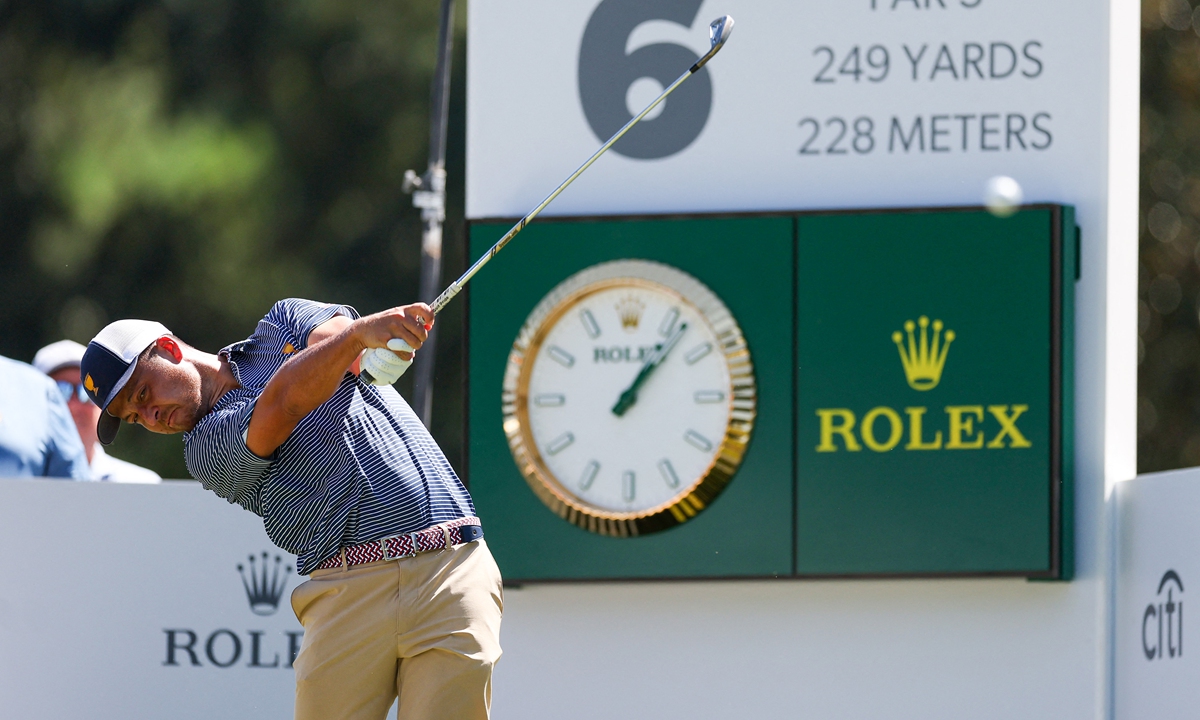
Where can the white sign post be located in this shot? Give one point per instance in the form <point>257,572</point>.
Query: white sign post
<point>829,104</point>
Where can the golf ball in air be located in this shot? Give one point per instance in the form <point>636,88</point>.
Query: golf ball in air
<point>1003,196</point>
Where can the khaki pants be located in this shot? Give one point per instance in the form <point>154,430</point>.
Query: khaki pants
<point>424,628</point>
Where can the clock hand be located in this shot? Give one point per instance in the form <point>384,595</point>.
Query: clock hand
<point>629,397</point>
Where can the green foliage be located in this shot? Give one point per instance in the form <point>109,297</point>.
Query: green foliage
<point>1169,285</point>
<point>192,162</point>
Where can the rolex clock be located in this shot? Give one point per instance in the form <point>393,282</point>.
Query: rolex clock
<point>629,398</point>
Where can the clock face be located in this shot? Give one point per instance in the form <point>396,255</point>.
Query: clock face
<point>629,397</point>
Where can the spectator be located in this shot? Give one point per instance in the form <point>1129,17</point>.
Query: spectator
<point>37,437</point>
<point>60,361</point>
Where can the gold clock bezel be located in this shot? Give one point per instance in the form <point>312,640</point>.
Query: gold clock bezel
<point>699,492</point>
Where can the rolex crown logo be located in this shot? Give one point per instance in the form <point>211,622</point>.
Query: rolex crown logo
<point>923,358</point>
<point>629,309</point>
<point>264,584</point>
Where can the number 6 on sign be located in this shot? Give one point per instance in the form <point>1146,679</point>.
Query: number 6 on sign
<point>606,74</point>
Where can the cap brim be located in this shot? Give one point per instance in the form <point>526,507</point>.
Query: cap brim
<point>107,427</point>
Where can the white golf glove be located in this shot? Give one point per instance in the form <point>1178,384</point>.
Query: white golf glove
<point>385,365</point>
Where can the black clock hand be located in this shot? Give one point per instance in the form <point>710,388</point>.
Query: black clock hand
<point>629,397</point>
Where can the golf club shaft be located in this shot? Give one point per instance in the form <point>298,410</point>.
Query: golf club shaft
<point>456,287</point>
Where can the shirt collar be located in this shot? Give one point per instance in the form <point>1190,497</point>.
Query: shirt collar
<point>227,355</point>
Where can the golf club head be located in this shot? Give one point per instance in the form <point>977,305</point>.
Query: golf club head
<point>718,32</point>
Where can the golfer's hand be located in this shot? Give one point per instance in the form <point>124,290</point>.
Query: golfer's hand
<point>386,366</point>
<point>410,323</point>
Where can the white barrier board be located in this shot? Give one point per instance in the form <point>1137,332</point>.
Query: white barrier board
<point>1158,559</point>
<point>126,601</point>
<point>860,650</point>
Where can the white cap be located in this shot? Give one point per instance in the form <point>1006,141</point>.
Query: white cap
<point>59,355</point>
<point>110,360</point>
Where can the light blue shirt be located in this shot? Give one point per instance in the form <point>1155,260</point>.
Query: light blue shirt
<point>37,435</point>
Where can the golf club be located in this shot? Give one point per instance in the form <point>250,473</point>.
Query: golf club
<point>718,33</point>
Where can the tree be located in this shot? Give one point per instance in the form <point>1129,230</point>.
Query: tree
<point>192,162</point>
<point>1169,280</point>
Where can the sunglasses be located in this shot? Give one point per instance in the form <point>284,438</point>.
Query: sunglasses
<point>72,389</point>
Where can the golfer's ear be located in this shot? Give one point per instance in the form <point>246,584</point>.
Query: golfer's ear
<point>169,346</point>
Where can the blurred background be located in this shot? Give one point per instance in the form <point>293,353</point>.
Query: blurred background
<point>194,161</point>
<point>1169,280</point>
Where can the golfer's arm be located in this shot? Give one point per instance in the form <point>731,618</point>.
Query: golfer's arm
<point>301,384</point>
<point>331,328</point>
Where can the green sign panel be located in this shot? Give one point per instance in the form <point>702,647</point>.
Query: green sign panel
<point>746,531</point>
<point>866,394</point>
<point>929,366</point>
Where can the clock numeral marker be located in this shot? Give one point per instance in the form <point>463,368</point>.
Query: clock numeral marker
<point>560,356</point>
<point>590,324</point>
<point>709,396</point>
<point>693,356</point>
<point>628,486</point>
<point>696,440</point>
<point>560,443</point>
<point>668,473</point>
<point>589,475</point>
<point>668,323</point>
<point>552,400</point>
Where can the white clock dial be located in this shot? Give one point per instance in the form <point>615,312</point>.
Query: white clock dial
<point>629,397</point>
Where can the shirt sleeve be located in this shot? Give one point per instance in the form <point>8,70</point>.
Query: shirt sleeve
<point>216,455</point>
<point>301,317</point>
<point>65,457</point>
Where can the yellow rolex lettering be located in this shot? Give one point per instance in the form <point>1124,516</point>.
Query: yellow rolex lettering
<point>845,428</point>
<point>1008,426</point>
<point>962,422</point>
<point>867,429</point>
<point>915,439</point>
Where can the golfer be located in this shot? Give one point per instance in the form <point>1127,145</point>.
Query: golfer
<point>403,597</point>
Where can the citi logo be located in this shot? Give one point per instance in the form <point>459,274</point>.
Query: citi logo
<point>1162,623</point>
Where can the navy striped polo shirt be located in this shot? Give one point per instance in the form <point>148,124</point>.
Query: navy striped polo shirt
<point>358,468</point>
